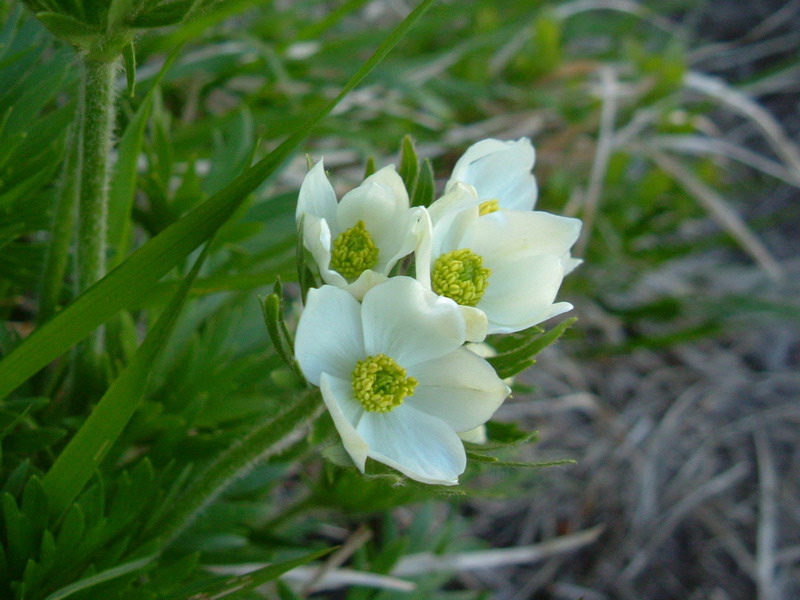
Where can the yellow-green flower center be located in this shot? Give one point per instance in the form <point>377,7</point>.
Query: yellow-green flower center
<point>353,252</point>
<point>380,384</point>
<point>460,275</point>
<point>487,207</point>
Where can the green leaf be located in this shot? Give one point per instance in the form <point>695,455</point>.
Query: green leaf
<point>409,164</point>
<point>122,187</point>
<point>19,534</point>
<point>236,587</point>
<point>101,577</point>
<point>129,58</point>
<point>34,503</point>
<point>520,357</point>
<point>285,592</point>
<point>71,531</point>
<point>65,27</point>
<point>533,465</point>
<point>168,13</point>
<point>79,460</point>
<point>425,190</point>
<point>265,440</point>
<point>138,273</point>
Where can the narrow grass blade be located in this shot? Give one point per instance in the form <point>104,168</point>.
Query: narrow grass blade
<point>101,577</point>
<point>84,453</point>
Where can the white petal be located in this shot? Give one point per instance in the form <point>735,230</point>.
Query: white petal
<point>422,253</point>
<point>329,335</point>
<point>381,201</point>
<point>458,196</point>
<point>461,389</point>
<point>317,238</point>
<point>532,319</point>
<point>521,292</point>
<point>365,282</point>
<point>418,445</point>
<point>570,264</point>
<point>511,234</point>
<point>451,215</point>
<point>500,170</point>
<point>409,323</point>
<point>317,196</point>
<point>476,322</point>
<point>476,436</point>
<point>409,229</point>
<point>346,413</point>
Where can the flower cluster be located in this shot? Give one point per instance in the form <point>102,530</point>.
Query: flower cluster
<point>389,351</point>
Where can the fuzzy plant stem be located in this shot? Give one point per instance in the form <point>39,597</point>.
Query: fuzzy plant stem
<point>98,123</point>
<point>267,440</point>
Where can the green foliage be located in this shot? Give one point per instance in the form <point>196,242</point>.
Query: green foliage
<point>131,493</point>
<point>515,352</point>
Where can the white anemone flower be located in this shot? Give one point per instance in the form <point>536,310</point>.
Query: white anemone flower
<point>395,376</point>
<point>500,172</point>
<point>357,242</point>
<point>506,264</point>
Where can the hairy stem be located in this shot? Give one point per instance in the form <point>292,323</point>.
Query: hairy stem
<point>97,126</point>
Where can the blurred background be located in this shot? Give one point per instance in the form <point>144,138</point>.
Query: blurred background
<point>671,128</point>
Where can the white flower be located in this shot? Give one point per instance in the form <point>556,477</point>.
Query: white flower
<point>500,172</point>
<point>395,377</point>
<point>507,264</point>
<point>357,241</point>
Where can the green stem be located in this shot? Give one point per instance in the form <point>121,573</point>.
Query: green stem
<point>267,440</point>
<point>98,123</point>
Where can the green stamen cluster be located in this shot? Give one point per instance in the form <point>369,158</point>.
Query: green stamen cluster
<point>353,252</point>
<point>380,384</point>
<point>460,275</point>
<point>487,207</point>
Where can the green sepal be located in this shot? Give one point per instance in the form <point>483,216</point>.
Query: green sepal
<point>409,164</point>
<point>425,189</point>
<point>369,168</point>
<point>271,307</point>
